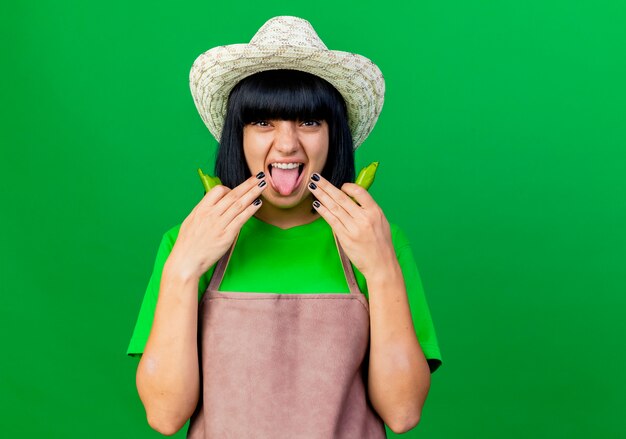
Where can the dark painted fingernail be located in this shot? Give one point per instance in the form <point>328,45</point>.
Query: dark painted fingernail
<point>262,183</point>
<point>257,202</point>
<point>315,177</point>
<point>316,204</point>
<point>260,175</point>
<point>312,185</point>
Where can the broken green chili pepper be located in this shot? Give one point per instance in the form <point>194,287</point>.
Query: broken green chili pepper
<point>366,176</point>
<point>208,181</point>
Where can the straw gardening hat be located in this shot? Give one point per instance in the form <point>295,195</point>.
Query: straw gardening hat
<point>287,43</point>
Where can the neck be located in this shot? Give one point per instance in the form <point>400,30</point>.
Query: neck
<point>286,218</point>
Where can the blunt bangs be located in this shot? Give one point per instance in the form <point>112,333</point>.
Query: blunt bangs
<point>285,95</point>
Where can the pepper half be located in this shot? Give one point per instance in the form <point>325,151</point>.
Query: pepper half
<point>366,176</point>
<point>208,181</point>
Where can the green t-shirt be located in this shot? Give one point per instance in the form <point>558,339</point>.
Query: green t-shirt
<point>299,260</point>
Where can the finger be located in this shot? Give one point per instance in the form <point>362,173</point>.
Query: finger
<point>332,220</point>
<point>334,214</point>
<point>337,195</point>
<point>360,194</point>
<point>243,202</point>
<point>239,220</point>
<point>214,195</point>
<point>341,206</point>
<point>332,207</point>
<point>238,192</point>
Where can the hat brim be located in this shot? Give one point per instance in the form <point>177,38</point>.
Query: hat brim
<point>215,72</point>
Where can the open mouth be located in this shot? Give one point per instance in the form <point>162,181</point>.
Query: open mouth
<point>285,177</point>
<point>300,168</point>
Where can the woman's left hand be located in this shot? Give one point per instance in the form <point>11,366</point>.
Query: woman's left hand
<point>363,231</point>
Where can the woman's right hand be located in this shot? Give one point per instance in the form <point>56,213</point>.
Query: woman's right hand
<point>211,227</point>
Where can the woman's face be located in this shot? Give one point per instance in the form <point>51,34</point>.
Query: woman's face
<point>288,152</point>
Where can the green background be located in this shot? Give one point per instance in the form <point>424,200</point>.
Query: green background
<point>501,144</point>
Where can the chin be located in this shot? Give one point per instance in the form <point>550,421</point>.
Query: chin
<point>288,202</point>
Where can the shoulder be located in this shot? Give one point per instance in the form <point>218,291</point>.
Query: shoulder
<point>398,237</point>
<point>170,235</point>
<point>168,239</point>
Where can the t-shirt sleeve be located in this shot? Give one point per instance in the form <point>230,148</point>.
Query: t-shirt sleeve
<point>145,318</point>
<point>146,312</point>
<point>420,312</point>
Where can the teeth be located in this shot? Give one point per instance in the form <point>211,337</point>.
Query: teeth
<point>285,165</point>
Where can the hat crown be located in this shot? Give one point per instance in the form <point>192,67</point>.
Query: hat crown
<point>288,31</point>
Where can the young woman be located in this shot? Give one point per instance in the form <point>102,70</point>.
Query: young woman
<point>280,307</point>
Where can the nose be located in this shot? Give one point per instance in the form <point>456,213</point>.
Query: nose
<point>286,140</point>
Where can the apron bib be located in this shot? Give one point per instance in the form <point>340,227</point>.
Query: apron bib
<point>290,366</point>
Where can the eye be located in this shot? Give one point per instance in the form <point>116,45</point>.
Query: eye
<point>311,123</point>
<point>260,123</point>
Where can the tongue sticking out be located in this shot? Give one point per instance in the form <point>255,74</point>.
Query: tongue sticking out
<point>285,180</point>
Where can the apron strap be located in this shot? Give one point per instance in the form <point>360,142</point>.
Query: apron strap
<point>347,268</point>
<point>220,268</point>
